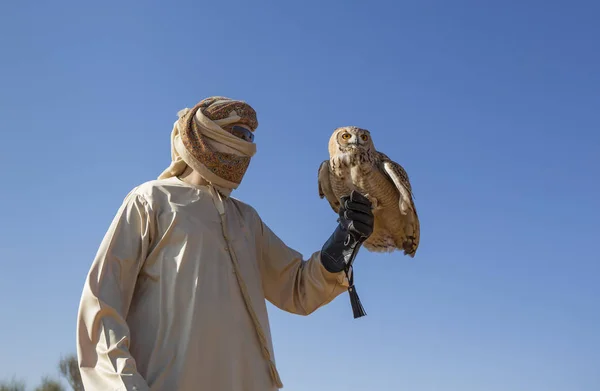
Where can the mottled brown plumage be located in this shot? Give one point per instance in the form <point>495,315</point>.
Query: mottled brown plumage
<point>354,163</point>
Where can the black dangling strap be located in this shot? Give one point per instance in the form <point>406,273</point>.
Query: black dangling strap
<point>357,308</point>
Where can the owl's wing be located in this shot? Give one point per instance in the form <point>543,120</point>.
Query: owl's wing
<point>400,178</point>
<point>325,190</point>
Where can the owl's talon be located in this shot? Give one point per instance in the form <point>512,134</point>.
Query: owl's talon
<point>374,203</point>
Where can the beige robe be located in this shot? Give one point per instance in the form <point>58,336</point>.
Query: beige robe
<point>162,308</point>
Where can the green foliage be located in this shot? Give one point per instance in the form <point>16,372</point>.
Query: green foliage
<point>49,384</point>
<point>13,385</point>
<point>68,367</point>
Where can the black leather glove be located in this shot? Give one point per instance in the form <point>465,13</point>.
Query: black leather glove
<point>338,253</point>
<point>355,226</point>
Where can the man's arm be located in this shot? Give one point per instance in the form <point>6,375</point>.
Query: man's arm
<point>293,284</point>
<point>302,286</point>
<point>102,332</point>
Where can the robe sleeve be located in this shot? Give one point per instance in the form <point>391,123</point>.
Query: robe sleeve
<point>293,284</point>
<point>102,332</point>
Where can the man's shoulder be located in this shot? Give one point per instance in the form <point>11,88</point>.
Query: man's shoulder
<point>151,189</point>
<point>153,185</point>
<point>245,208</point>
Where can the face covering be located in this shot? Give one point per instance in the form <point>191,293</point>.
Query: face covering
<point>199,141</point>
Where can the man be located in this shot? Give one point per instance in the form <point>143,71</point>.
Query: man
<point>175,297</point>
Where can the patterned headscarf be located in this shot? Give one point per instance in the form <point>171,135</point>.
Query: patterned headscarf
<point>198,140</point>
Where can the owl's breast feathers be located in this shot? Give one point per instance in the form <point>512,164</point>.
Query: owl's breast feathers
<point>353,171</point>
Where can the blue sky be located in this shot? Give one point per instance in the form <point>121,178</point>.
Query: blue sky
<point>493,109</point>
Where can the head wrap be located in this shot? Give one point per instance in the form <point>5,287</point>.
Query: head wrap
<point>199,141</point>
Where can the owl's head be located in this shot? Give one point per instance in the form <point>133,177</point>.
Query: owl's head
<point>350,140</point>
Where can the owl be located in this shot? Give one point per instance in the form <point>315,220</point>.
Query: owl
<point>355,164</point>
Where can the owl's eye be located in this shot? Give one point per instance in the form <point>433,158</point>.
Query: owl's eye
<point>346,136</point>
<point>364,137</point>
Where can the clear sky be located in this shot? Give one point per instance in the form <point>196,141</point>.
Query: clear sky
<point>492,107</point>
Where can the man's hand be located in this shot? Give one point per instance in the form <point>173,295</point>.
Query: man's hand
<point>355,226</point>
<point>356,216</point>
